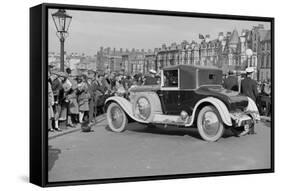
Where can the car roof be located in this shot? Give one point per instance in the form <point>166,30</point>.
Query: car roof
<point>191,77</point>
<point>190,67</point>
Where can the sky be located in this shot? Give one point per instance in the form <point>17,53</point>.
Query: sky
<point>90,30</point>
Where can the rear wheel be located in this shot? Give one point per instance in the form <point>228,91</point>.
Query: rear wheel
<point>209,124</point>
<point>116,117</point>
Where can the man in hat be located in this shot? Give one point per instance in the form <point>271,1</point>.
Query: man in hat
<point>249,88</point>
<point>231,82</point>
<point>151,79</point>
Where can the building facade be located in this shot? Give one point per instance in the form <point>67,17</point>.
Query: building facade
<point>129,61</point>
<point>109,60</point>
<point>229,51</point>
<point>264,55</point>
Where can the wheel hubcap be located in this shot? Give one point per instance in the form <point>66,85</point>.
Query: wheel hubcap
<point>210,123</point>
<point>117,117</point>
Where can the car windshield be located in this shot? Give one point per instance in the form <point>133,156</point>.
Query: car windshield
<point>171,78</point>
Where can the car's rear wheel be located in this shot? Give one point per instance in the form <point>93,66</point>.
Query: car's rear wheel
<point>116,117</point>
<point>209,124</point>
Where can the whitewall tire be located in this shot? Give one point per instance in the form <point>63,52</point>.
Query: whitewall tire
<point>209,124</point>
<point>116,117</point>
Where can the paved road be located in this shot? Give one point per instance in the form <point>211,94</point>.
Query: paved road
<point>143,151</point>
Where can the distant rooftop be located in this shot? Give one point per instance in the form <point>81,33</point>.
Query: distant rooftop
<point>234,38</point>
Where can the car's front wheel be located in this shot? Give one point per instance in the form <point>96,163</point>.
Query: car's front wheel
<point>116,117</point>
<point>209,124</point>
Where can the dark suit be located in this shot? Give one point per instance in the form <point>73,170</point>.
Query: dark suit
<point>249,88</point>
<point>231,83</point>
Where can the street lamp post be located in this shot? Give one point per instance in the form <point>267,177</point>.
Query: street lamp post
<point>62,22</point>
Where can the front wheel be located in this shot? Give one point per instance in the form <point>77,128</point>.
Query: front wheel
<point>209,124</point>
<point>116,117</point>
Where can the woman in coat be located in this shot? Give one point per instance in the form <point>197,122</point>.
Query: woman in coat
<point>73,107</point>
<point>57,90</point>
<point>83,98</point>
<point>51,102</point>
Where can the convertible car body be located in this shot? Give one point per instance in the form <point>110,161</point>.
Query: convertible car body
<point>187,96</point>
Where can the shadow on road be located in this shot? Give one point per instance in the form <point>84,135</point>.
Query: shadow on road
<point>53,155</point>
<point>169,130</point>
<point>161,130</point>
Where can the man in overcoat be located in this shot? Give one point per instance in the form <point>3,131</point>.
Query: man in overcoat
<point>231,82</point>
<point>249,88</point>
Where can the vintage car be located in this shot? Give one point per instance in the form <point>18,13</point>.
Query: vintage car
<point>187,96</point>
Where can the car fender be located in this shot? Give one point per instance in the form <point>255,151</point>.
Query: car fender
<point>125,105</point>
<point>253,109</point>
<point>219,105</point>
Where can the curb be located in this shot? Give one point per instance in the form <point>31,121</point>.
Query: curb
<point>72,130</point>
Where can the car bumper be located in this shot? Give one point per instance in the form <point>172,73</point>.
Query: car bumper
<point>244,119</point>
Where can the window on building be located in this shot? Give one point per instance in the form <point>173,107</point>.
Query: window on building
<point>212,76</point>
<point>268,46</point>
<point>262,61</point>
<point>268,61</point>
<point>262,47</point>
<point>255,48</point>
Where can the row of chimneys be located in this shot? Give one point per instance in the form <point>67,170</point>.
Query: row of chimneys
<point>164,47</point>
<point>108,50</point>
<point>184,43</point>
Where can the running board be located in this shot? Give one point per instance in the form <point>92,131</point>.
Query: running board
<point>170,120</point>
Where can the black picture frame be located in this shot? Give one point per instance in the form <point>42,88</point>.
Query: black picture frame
<point>39,89</point>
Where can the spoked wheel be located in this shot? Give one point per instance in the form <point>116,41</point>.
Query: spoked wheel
<point>116,117</point>
<point>209,124</point>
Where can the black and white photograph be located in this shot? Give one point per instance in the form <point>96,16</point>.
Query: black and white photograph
<point>146,95</point>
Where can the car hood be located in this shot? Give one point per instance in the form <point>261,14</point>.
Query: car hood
<point>144,88</point>
<point>232,99</point>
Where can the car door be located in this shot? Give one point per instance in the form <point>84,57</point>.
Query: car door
<point>186,101</point>
<point>169,93</point>
<point>170,101</point>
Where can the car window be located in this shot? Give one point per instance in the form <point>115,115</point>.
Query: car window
<point>171,78</point>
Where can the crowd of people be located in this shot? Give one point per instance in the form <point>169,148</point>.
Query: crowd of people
<point>78,99</point>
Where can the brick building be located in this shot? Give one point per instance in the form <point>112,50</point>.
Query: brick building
<point>109,60</point>
<point>264,55</point>
<point>226,51</point>
<point>130,62</point>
